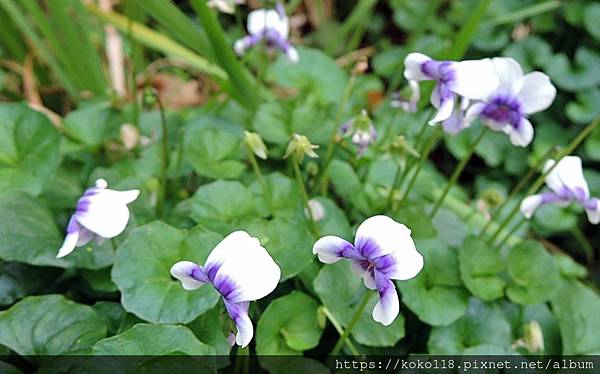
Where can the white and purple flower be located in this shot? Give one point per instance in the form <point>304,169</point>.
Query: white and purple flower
<point>471,79</point>
<point>383,250</point>
<point>361,130</point>
<point>517,96</point>
<point>101,213</point>
<point>241,270</point>
<point>567,185</point>
<point>270,26</point>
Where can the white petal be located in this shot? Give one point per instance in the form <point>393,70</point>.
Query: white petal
<point>408,262</point>
<point>387,234</point>
<point>85,236</point>
<point>277,22</point>
<point>292,54</point>
<point>183,271</point>
<point>523,135</point>
<point>243,261</point>
<point>510,75</point>
<point>239,46</point>
<point>412,67</point>
<point>107,213</point>
<point>530,204</point>
<point>387,308</point>
<point>553,180</point>
<point>594,213</point>
<point>537,92</point>
<point>239,313</point>
<point>69,244</point>
<point>475,79</point>
<point>472,113</point>
<point>257,21</point>
<point>367,277</point>
<point>570,172</point>
<point>330,249</point>
<point>444,111</point>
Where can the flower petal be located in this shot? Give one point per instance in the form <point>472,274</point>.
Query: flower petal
<point>292,54</point>
<point>106,212</point>
<point>475,79</point>
<point>522,134</point>
<point>402,264</point>
<point>257,21</point>
<point>239,314</point>
<point>530,204</point>
<point>444,110</point>
<point>537,92</point>
<point>593,211</point>
<point>242,261</point>
<point>510,76</point>
<point>71,239</point>
<point>189,273</point>
<point>359,267</point>
<point>553,180</point>
<point>412,67</point>
<point>570,172</point>
<point>85,236</point>
<point>380,235</point>
<point>387,308</point>
<point>331,249</point>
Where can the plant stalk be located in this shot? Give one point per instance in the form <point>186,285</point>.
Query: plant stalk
<point>300,181</point>
<point>353,321</point>
<point>259,176</point>
<point>162,192</point>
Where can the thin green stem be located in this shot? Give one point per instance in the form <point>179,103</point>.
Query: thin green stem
<point>397,178</point>
<point>518,187</point>
<point>584,243</point>
<point>520,14</point>
<point>540,180</point>
<point>300,181</point>
<point>162,192</point>
<point>424,156</point>
<point>259,176</point>
<point>511,233</point>
<point>113,243</point>
<point>340,330</point>
<point>322,180</point>
<point>457,172</point>
<point>359,311</point>
<point>467,32</point>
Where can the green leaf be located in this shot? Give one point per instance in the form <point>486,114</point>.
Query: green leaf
<point>112,313</point>
<point>99,280</point>
<point>450,228</point>
<point>214,151</point>
<point>415,217</point>
<point>272,121</point>
<point>16,281</point>
<point>50,325</point>
<point>592,145</point>
<point>289,243</point>
<point>315,71</point>
<point>334,221</point>
<point>28,149</point>
<point>283,192</point>
<point>288,326</point>
<point>583,74</point>
<point>484,329</point>
<point>93,124</point>
<point>341,292</point>
<point>209,329</point>
<point>590,20</point>
<point>141,271</point>
<point>221,204</point>
<point>532,52</point>
<point>436,295</point>
<point>148,339</point>
<point>534,274</point>
<point>480,268</point>
<point>585,108</point>
<point>542,314</point>
<point>577,307</point>
<point>30,235</point>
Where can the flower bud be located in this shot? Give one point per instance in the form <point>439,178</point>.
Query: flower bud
<point>255,143</point>
<point>300,146</point>
<point>492,198</point>
<point>317,211</point>
<point>534,337</point>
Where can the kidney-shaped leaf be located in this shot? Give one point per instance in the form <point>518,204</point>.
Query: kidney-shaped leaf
<point>50,325</point>
<point>28,149</point>
<point>480,266</point>
<point>141,271</point>
<point>289,325</point>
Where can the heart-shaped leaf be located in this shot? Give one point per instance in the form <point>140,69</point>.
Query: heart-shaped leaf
<point>480,266</point>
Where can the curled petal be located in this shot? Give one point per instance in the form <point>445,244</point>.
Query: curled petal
<point>570,172</point>
<point>239,314</point>
<point>475,79</point>
<point>106,213</point>
<point>86,236</point>
<point>242,263</point>
<point>331,249</point>
<point>521,135</point>
<point>189,273</point>
<point>537,92</point>
<point>592,208</point>
<point>530,204</point>
<point>241,45</point>
<point>444,110</point>
<point>380,235</point>
<point>71,239</point>
<point>387,308</point>
<point>413,67</point>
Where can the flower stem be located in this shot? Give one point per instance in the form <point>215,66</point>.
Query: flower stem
<point>511,233</point>
<point>259,176</point>
<point>585,244</point>
<point>398,176</point>
<point>540,180</point>
<point>340,330</point>
<point>518,187</point>
<point>322,180</point>
<point>353,321</point>
<point>162,192</point>
<point>458,171</point>
<point>424,155</point>
<point>304,194</point>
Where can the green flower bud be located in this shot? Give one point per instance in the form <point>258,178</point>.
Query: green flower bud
<point>255,144</point>
<point>300,146</point>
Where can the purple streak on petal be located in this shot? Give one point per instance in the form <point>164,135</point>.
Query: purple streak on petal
<point>368,248</point>
<point>199,275</point>
<point>236,310</point>
<point>385,264</point>
<point>454,124</point>
<point>280,10</point>
<point>591,204</point>
<point>550,197</point>
<point>85,236</point>
<point>225,286</point>
<point>431,68</point>
<point>384,284</point>
<point>579,194</point>
<point>73,226</point>
<point>504,109</point>
<point>348,251</point>
<point>82,205</point>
